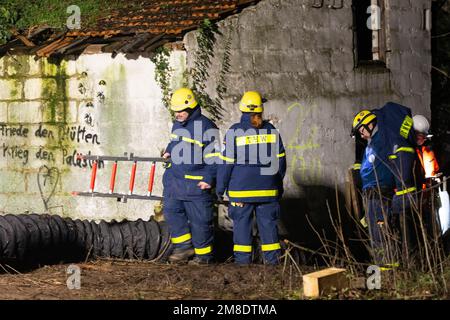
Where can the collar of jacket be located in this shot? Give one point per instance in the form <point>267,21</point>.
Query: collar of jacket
<point>374,132</point>
<point>246,118</point>
<point>195,114</point>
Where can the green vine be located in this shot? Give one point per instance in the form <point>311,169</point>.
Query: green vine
<point>162,73</point>
<point>25,14</point>
<point>8,17</point>
<point>206,39</point>
<point>221,87</point>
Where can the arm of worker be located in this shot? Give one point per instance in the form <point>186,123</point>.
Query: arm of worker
<point>281,158</point>
<point>226,163</point>
<point>210,155</point>
<point>360,146</point>
<point>402,162</point>
<point>173,141</point>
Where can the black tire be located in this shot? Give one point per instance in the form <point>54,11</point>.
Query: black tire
<point>153,238</point>
<point>56,233</point>
<point>4,238</point>
<point>71,231</point>
<point>45,232</point>
<point>89,238</point>
<point>22,236</point>
<point>64,231</point>
<point>97,239</point>
<point>139,238</point>
<point>166,247</point>
<point>127,239</point>
<point>9,246</point>
<point>80,242</point>
<point>34,242</point>
<point>106,239</point>
<point>117,246</point>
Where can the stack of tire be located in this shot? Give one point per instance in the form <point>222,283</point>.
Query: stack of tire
<point>44,239</point>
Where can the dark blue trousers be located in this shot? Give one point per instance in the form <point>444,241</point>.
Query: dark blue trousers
<point>379,218</point>
<point>190,224</point>
<point>267,215</point>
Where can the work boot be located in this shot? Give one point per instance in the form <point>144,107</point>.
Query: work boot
<point>181,255</point>
<point>199,261</point>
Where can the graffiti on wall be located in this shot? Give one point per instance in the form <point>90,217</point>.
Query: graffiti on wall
<point>58,137</point>
<point>47,181</point>
<point>305,165</point>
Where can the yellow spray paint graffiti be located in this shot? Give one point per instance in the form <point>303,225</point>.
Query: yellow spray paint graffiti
<point>303,172</point>
<point>305,166</point>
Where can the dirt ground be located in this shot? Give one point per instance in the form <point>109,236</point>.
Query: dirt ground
<point>106,279</point>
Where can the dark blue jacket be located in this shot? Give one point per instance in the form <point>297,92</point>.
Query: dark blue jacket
<point>375,166</point>
<point>254,163</point>
<point>190,142</point>
<point>393,148</point>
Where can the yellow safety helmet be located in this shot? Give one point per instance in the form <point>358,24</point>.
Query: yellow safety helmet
<point>183,99</point>
<point>363,118</point>
<point>251,102</point>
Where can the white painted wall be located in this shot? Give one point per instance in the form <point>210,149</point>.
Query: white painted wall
<point>130,118</point>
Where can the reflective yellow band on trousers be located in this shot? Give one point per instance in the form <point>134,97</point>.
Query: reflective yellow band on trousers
<point>281,155</point>
<point>405,149</point>
<point>392,157</point>
<point>270,247</point>
<point>241,248</point>
<point>253,193</point>
<point>182,238</point>
<point>399,193</point>
<point>257,138</point>
<point>193,177</point>
<point>205,250</point>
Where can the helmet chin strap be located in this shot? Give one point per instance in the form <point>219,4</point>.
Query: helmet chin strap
<point>370,131</point>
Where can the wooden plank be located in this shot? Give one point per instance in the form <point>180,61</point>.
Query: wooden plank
<point>354,195</point>
<point>321,282</point>
<point>27,42</point>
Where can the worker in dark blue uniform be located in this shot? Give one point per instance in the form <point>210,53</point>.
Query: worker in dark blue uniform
<point>386,167</point>
<point>377,180</point>
<point>252,172</point>
<point>188,207</point>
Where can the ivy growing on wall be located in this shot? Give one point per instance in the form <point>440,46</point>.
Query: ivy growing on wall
<point>8,17</point>
<point>163,73</point>
<point>221,87</point>
<point>206,39</point>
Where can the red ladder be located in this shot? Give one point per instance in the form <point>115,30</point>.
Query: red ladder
<point>111,193</point>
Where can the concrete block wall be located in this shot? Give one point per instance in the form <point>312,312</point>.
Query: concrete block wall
<point>301,58</point>
<point>96,104</point>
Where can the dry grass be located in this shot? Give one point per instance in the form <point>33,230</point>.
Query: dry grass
<point>109,279</point>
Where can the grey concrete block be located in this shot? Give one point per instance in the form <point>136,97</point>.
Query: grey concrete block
<point>25,112</point>
<point>267,62</point>
<point>10,89</point>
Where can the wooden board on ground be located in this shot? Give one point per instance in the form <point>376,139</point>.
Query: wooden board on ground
<point>322,282</point>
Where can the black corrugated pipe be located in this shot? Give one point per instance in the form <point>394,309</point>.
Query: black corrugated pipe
<point>44,239</point>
